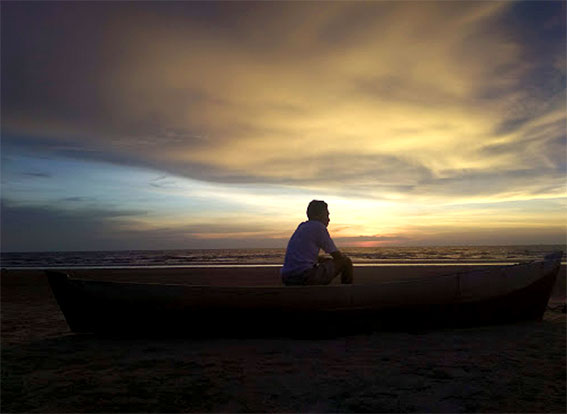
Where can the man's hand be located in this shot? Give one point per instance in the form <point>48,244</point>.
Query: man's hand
<point>337,255</point>
<point>344,266</point>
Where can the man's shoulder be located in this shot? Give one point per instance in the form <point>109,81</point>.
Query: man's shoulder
<point>315,224</point>
<point>311,227</point>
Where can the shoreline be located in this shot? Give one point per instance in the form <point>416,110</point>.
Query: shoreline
<point>257,265</point>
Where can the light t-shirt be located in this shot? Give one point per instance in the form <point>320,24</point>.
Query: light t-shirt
<point>303,247</point>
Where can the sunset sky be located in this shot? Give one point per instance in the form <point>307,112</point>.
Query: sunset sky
<point>212,125</point>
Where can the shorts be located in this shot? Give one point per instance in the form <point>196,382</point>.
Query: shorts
<point>321,274</point>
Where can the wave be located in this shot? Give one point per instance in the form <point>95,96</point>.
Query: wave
<point>363,256</point>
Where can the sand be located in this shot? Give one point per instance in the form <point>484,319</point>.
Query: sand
<point>508,368</point>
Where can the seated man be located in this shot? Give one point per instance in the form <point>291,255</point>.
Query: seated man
<point>302,265</point>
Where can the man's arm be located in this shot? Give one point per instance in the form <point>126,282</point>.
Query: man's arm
<point>337,255</point>
<point>344,266</point>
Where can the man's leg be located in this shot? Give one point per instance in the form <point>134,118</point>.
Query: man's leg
<point>328,269</point>
<point>343,265</point>
<point>322,274</point>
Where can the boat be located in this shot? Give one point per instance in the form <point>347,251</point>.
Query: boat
<point>494,295</point>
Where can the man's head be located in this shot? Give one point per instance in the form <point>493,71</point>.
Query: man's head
<point>318,210</point>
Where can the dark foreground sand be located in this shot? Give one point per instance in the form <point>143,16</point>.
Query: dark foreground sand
<point>509,368</point>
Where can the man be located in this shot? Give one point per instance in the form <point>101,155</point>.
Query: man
<point>302,265</point>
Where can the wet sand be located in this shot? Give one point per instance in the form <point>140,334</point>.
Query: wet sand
<point>508,368</point>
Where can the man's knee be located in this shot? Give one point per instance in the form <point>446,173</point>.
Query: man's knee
<point>343,263</point>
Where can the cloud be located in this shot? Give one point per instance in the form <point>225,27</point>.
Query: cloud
<point>77,199</point>
<point>368,241</point>
<point>38,228</point>
<point>193,96</point>
<point>411,102</point>
<point>57,228</point>
<point>34,174</point>
<point>413,82</point>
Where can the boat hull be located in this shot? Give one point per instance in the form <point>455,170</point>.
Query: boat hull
<point>501,295</point>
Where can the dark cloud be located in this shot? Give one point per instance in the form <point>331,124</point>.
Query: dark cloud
<point>63,228</point>
<point>209,228</point>
<point>37,228</point>
<point>118,95</point>
<point>486,183</point>
<point>34,174</point>
<point>339,169</point>
<point>350,241</point>
<point>540,26</point>
<point>77,199</point>
<point>351,25</point>
<point>400,88</point>
<point>368,174</point>
<point>494,236</point>
<point>537,146</point>
<point>51,59</point>
<point>51,148</point>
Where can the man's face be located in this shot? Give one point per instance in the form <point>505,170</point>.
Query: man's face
<point>325,217</point>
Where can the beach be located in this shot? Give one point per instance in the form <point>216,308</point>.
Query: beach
<point>45,368</point>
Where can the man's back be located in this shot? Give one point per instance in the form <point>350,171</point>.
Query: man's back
<point>303,247</point>
<point>301,265</point>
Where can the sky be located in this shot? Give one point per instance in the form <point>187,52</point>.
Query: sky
<point>173,125</point>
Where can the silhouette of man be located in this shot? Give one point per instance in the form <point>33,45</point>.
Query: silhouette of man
<point>302,264</point>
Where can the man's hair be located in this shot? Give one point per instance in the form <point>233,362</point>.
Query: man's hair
<point>316,208</point>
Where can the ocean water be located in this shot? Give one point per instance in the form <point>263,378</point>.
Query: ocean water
<point>367,256</point>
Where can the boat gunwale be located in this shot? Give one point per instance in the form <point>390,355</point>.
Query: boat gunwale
<point>480,270</point>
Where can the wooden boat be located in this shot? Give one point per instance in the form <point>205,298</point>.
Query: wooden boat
<point>500,294</point>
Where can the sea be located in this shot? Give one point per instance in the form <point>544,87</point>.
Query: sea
<point>361,256</point>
